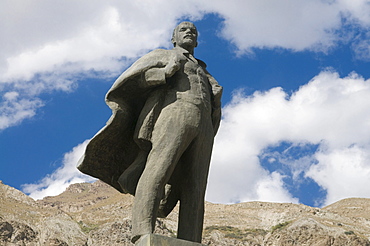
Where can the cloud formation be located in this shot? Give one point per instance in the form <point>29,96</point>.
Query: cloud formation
<point>14,110</point>
<point>290,24</point>
<point>330,112</point>
<point>48,46</point>
<point>51,46</point>
<point>61,178</point>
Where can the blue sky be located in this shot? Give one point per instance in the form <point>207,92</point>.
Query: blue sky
<point>296,114</point>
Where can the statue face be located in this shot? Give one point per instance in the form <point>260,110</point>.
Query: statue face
<point>185,35</point>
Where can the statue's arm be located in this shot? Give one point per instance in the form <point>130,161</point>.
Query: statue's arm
<point>216,97</point>
<point>165,68</point>
<point>153,77</point>
<point>216,111</point>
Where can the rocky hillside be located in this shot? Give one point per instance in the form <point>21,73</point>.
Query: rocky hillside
<point>95,214</point>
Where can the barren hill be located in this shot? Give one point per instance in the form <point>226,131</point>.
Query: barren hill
<point>96,214</point>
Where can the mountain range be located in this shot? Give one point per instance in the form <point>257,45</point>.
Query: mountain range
<point>92,214</point>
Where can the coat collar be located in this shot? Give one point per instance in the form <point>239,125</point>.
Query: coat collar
<point>186,53</point>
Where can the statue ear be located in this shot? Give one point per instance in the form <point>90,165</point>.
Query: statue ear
<point>173,41</point>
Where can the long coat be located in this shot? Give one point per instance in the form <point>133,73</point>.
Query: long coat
<point>136,101</point>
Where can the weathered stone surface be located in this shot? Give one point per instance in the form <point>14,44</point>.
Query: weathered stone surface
<point>308,231</point>
<point>24,222</point>
<point>13,232</point>
<point>80,216</point>
<point>157,145</point>
<point>157,240</point>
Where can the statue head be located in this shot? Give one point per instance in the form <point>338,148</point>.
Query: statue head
<point>185,36</point>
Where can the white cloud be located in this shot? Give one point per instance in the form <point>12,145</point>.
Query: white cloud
<point>42,36</point>
<point>12,110</point>
<point>329,111</point>
<point>357,10</point>
<point>89,34</point>
<point>291,24</point>
<point>271,189</point>
<point>51,44</point>
<point>343,172</point>
<point>61,178</point>
<point>48,46</point>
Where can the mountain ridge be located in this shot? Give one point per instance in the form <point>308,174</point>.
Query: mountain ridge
<point>96,214</point>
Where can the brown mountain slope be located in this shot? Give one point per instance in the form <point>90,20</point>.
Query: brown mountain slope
<point>96,214</point>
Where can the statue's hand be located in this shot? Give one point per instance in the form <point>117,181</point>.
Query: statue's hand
<point>171,68</point>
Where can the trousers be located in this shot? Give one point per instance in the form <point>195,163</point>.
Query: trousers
<point>182,141</point>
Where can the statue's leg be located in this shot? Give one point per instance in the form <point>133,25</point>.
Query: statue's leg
<point>172,134</point>
<point>196,159</point>
<point>170,198</point>
<point>172,192</point>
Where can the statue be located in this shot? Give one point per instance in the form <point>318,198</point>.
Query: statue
<point>166,110</point>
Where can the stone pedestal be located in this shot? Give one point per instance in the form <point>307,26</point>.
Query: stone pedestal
<point>157,240</point>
